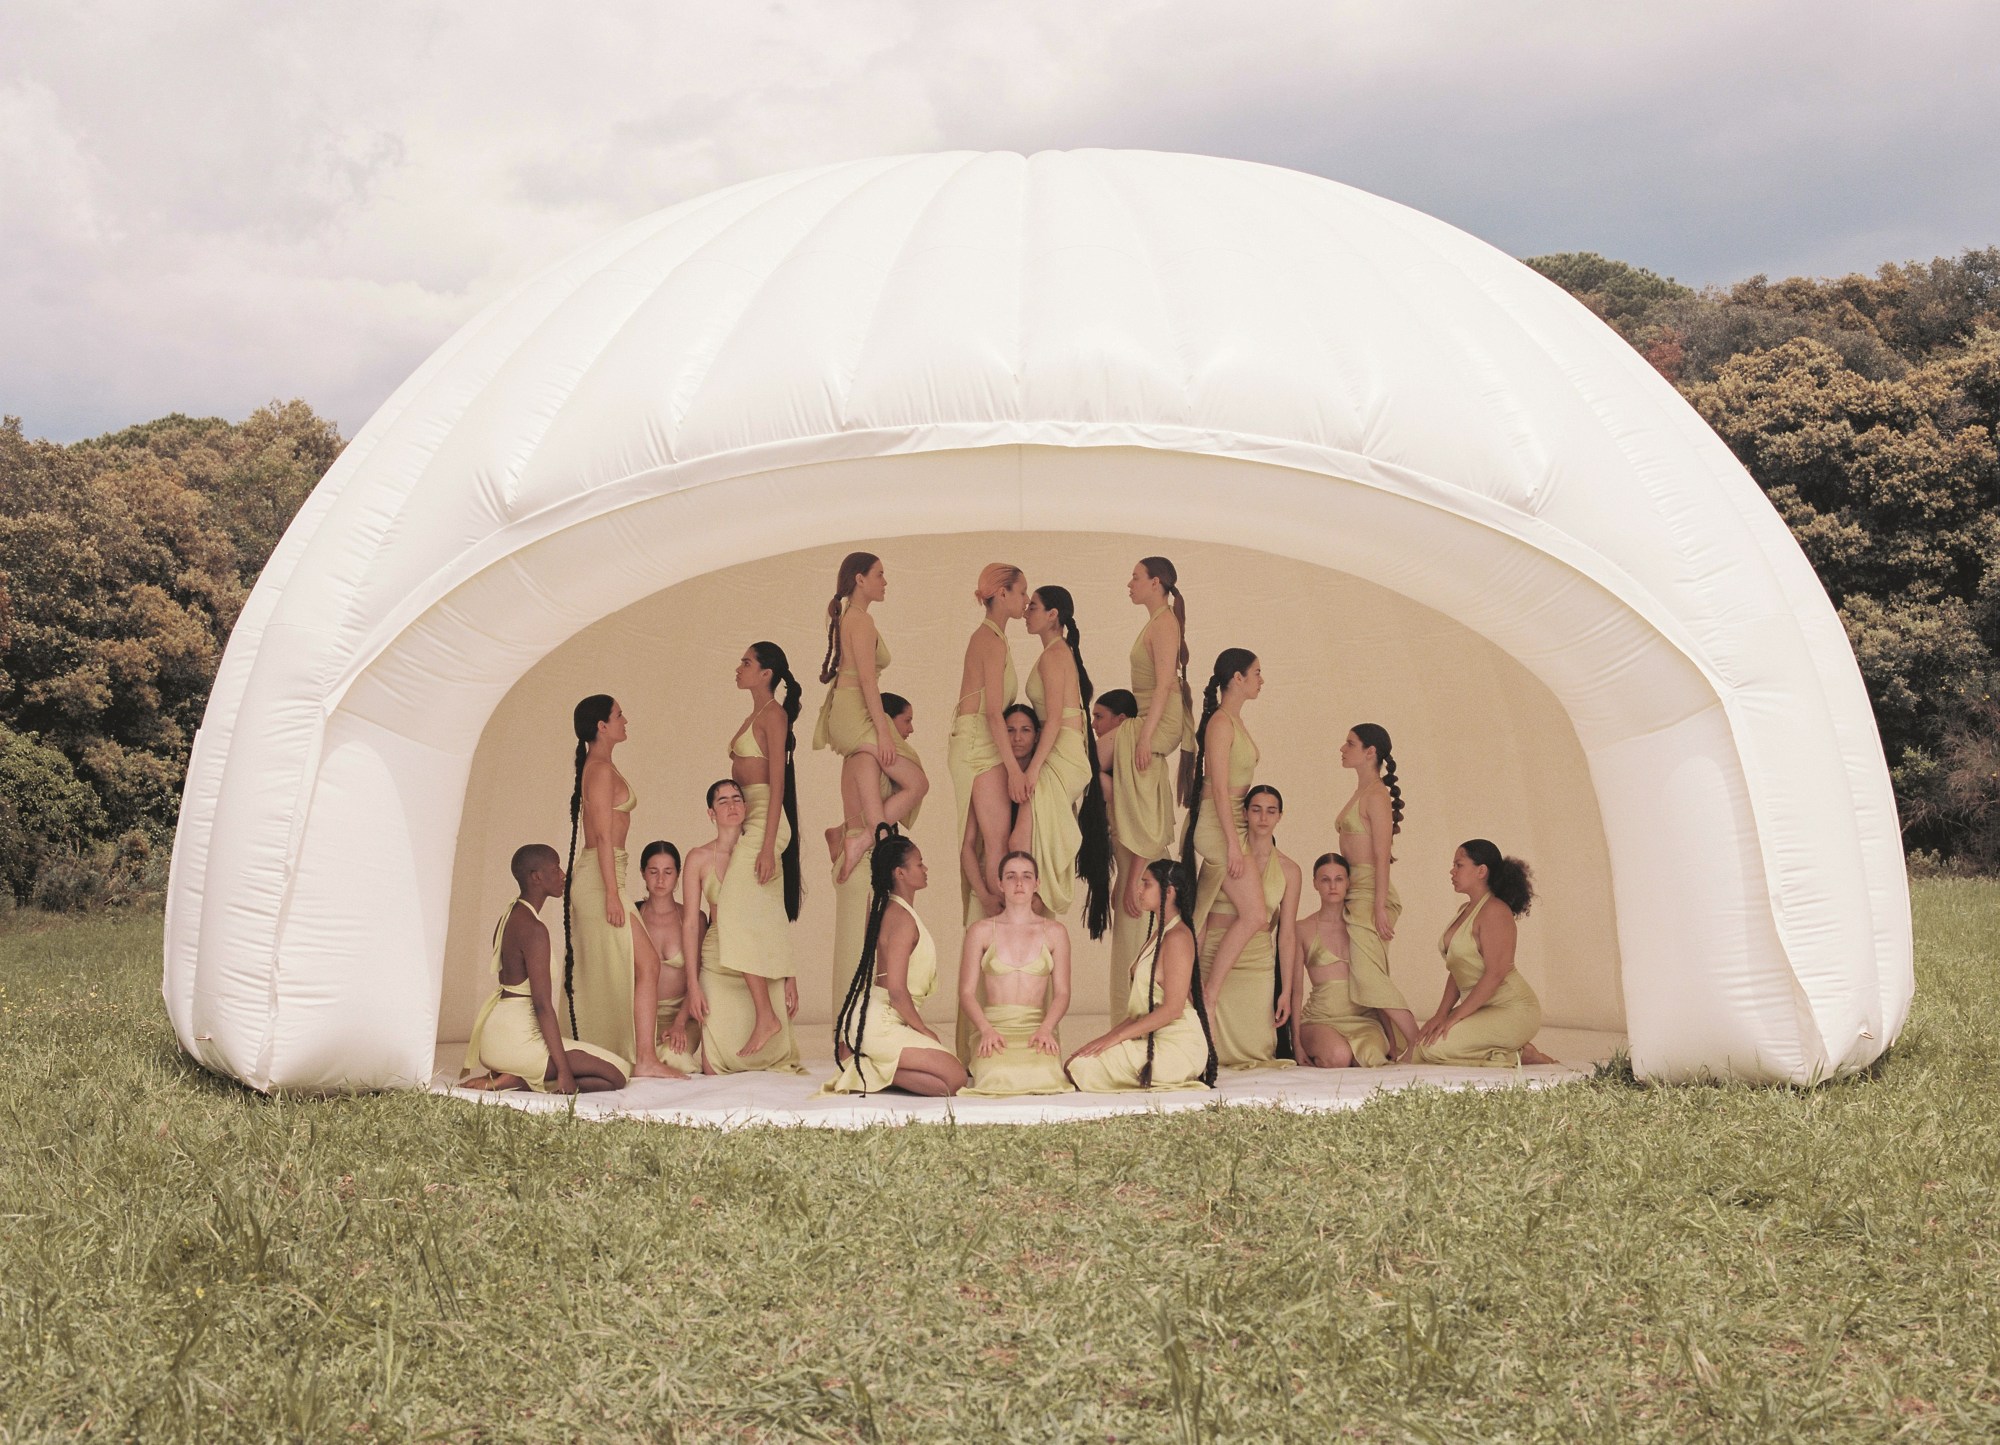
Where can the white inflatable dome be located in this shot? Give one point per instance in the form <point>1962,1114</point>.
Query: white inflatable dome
<point>1214,353</point>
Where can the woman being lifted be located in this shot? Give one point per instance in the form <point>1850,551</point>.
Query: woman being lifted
<point>985,778</point>
<point>1064,824</point>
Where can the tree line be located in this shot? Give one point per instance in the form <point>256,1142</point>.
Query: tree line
<point>1866,407</point>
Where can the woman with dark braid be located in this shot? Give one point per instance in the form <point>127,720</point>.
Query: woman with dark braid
<point>760,893</point>
<point>852,720</point>
<point>850,894</point>
<point>1145,767</point>
<point>986,779</point>
<point>880,1038</point>
<point>1013,989</point>
<point>659,914</point>
<point>1217,837</point>
<point>1251,1000</point>
<point>1158,1045</point>
<point>1371,819</point>
<point>610,971</point>
<point>1063,823</point>
<point>1488,1015</point>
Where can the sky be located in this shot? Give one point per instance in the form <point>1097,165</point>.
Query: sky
<point>211,204</point>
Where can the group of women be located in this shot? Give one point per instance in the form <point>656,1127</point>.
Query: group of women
<point>1067,789</point>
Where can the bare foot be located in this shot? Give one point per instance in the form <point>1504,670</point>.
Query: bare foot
<point>857,844</point>
<point>493,1083</point>
<point>761,1035</point>
<point>655,1070</point>
<point>1532,1055</point>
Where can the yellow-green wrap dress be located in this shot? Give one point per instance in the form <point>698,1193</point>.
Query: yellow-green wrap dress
<point>971,753</point>
<point>1054,835</point>
<point>884,1035</point>
<point>1180,1049</point>
<point>1494,1036</point>
<point>844,724</point>
<point>756,934</point>
<point>1020,1068</point>
<point>1331,1005</point>
<point>1209,841</point>
<point>850,895</point>
<point>731,1013</point>
<point>506,1039</point>
<point>1143,802</point>
<point>604,955</point>
<point>1246,1033</point>
<point>1368,970</point>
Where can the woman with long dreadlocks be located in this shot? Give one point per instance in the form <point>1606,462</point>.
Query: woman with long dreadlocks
<point>1158,1045</point>
<point>880,1038</point>
<point>1023,961</point>
<point>610,970</point>
<point>1064,824</point>
<point>850,894</point>
<point>1225,764</point>
<point>1252,998</point>
<point>1367,826</point>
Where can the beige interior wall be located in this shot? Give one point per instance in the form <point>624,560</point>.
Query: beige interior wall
<point>1483,748</point>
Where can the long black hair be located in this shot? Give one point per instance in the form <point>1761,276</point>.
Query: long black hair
<point>651,851</point>
<point>1176,876</point>
<point>1286,1048</point>
<point>1508,879</point>
<point>771,657</point>
<point>853,567</point>
<point>1093,854</point>
<point>1374,735</point>
<point>892,851</point>
<point>589,715</point>
<point>1168,576</point>
<point>1230,663</point>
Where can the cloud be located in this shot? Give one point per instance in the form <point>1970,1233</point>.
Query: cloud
<point>207,205</point>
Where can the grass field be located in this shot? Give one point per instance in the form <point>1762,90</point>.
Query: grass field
<point>182,1259</point>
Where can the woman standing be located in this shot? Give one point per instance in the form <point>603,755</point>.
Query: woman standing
<point>852,720</point>
<point>985,778</point>
<point>1367,825</point>
<point>1064,824</point>
<point>1023,962</point>
<point>1144,768</point>
<point>1333,1032</point>
<point>719,997</point>
<point>610,973</point>
<point>659,914</point>
<point>1488,1015</point>
<point>1240,998</point>
<point>880,1039</point>
<point>1225,763</point>
<point>1157,1046</point>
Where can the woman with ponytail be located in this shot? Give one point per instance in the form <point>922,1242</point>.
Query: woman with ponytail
<point>1144,768</point>
<point>1367,825</point>
<point>852,720</point>
<point>880,1038</point>
<point>1225,764</point>
<point>610,970</point>
<point>1158,1045</point>
<point>1252,1001</point>
<point>1013,990</point>
<point>850,894</point>
<point>1064,824</point>
<point>984,776</point>
<point>1488,1015</point>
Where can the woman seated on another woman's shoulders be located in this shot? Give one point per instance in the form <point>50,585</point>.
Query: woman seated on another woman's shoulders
<point>659,913</point>
<point>1489,1015</point>
<point>1024,732</point>
<point>1333,1030</point>
<point>1023,961</point>
<point>1164,1040</point>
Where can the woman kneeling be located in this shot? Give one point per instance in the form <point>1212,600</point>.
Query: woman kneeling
<point>1488,1015</point>
<point>1159,1045</point>
<point>1024,961</point>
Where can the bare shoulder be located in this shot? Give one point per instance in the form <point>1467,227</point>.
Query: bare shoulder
<point>1054,931</point>
<point>1289,868</point>
<point>524,924</point>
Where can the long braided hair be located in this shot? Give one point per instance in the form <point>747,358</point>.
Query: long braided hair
<point>853,567</point>
<point>1174,876</point>
<point>1374,735</point>
<point>590,714</point>
<point>1230,663</point>
<point>771,657</point>
<point>892,850</point>
<point>1093,855</point>
<point>1163,572</point>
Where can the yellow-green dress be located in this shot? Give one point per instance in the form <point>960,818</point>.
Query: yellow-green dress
<point>505,1037</point>
<point>971,753</point>
<point>1493,1037</point>
<point>844,724</point>
<point>667,1011</point>
<point>605,961</point>
<point>1143,802</point>
<point>1209,840</point>
<point>731,1014</point>
<point>884,1035</point>
<point>850,896</point>
<point>1368,969</point>
<point>1246,1034</point>
<point>1054,835</point>
<point>756,934</point>
<point>1180,1049</point>
<point>1020,1068</point>
<point>1331,1005</point>
<point>1128,934</point>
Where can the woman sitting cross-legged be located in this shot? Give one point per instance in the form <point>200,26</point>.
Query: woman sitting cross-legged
<point>880,1039</point>
<point>1164,1041</point>
<point>1023,960</point>
<point>516,1038</point>
<point>1488,1015</point>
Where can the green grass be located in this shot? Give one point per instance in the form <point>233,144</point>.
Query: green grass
<point>181,1259</point>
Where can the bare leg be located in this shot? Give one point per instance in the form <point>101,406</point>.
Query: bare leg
<point>1399,1021</point>
<point>1130,866</point>
<point>1323,1048</point>
<point>911,784</point>
<point>646,1008</point>
<point>1247,894</point>
<point>931,1072</point>
<point>766,1026</point>
<point>861,806</point>
<point>592,1074</point>
<point>992,814</point>
<point>495,1083</point>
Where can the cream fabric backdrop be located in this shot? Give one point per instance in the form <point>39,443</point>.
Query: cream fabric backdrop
<point>1483,748</point>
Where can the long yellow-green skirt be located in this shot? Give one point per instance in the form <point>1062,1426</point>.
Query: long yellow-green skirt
<point>1246,1035</point>
<point>1180,1054</point>
<point>1142,802</point>
<point>1493,1037</point>
<point>884,1037</point>
<point>1020,1068</point>
<point>731,1016</point>
<point>507,1040</point>
<point>1128,937</point>
<point>1368,959</point>
<point>970,754</point>
<point>1054,835</point>
<point>604,959</point>
<point>756,935</point>
<point>690,1061</point>
<point>1332,1006</point>
<point>844,724</point>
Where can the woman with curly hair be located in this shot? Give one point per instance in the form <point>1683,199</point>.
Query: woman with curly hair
<point>1488,1015</point>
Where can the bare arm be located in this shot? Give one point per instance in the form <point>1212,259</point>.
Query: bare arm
<point>1046,1036</point>
<point>992,664</point>
<point>1381,835</point>
<point>1496,933</point>
<point>1221,738</point>
<point>1176,974</point>
<point>1288,942</point>
<point>969,958</point>
<point>861,647</point>
<point>1055,699</point>
<point>533,938</point>
<point>692,925</point>
<point>770,726</point>
<point>1163,645</point>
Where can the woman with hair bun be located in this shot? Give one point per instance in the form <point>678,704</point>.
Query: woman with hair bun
<point>1145,771</point>
<point>1367,827</point>
<point>659,914</point>
<point>985,779</point>
<point>1064,823</point>
<point>852,721</point>
<point>1333,1033</point>
<point>1163,1042</point>
<point>1251,1000</point>
<point>1225,764</point>
<point>1488,1015</point>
